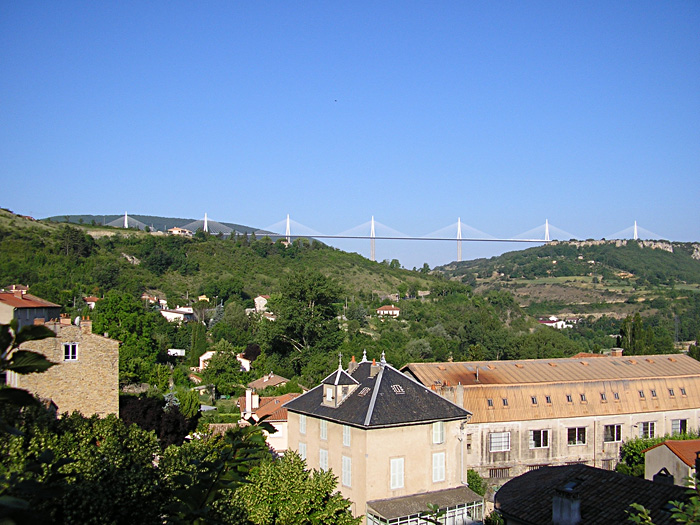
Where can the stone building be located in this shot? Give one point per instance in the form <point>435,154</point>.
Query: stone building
<point>547,412</point>
<point>392,442</point>
<point>86,376</point>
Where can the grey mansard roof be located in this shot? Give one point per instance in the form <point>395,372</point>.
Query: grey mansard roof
<point>388,399</point>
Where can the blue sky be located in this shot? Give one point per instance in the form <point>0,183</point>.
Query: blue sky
<point>501,113</point>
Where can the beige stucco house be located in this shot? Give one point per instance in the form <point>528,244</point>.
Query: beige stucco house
<point>677,457</point>
<point>86,376</point>
<point>273,410</point>
<point>25,308</point>
<point>534,413</point>
<point>391,441</point>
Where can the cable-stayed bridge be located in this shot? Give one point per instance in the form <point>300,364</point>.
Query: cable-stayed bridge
<point>458,232</point>
<point>373,231</point>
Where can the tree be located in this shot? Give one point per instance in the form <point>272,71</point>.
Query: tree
<point>124,318</point>
<point>282,491</point>
<point>306,318</point>
<point>224,370</point>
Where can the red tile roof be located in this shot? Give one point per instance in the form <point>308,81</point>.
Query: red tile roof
<point>685,449</point>
<point>25,301</point>
<point>270,406</point>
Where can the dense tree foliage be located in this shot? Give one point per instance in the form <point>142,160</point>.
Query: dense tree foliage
<point>283,491</point>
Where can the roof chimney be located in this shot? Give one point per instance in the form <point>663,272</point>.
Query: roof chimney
<point>566,505</point>
<point>374,369</point>
<point>18,294</point>
<point>86,325</point>
<point>616,352</point>
<point>352,366</point>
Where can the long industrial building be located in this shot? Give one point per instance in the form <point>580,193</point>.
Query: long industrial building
<point>532,413</point>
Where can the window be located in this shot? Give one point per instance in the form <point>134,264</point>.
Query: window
<point>346,436</point>
<point>302,424</point>
<point>490,403</point>
<point>505,401</point>
<point>396,473</point>
<point>679,426</point>
<point>438,432</point>
<point>548,399</point>
<point>583,398</point>
<point>398,389</point>
<point>612,433</point>
<point>682,391</point>
<point>641,394</point>
<point>576,436</point>
<point>302,450</point>
<point>653,393</point>
<point>324,429</point>
<point>603,397</point>
<point>534,400</point>
<point>499,472</point>
<point>609,464</point>
<point>323,459</point>
<point>70,351</point>
<point>329,393</point>
<point>671,392</point>
<point>539,438</point>
<point>647,429</point>
<point>569,399</point>
<point>616,395</point>
<point>438,467</point>
<point>346,476</point>
<point>499,441</point>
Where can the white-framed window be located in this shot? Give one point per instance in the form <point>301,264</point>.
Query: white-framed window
<point>576,436</point>
<point>346,476</point>
<point>70,351</point>
<point>647,429</point>
<point>329,393</point>
<point>612,433</point>
<point>438,432</point>
<point>323,459</point>
<point>302,450</point>
<point>396,473</point>
<point>324,429</point>
<point>346,435</point>
<point>539,438</point>
<point>438,467</point>
<point>679,426</point>
<point>499,441</point>
<point>302,424</point>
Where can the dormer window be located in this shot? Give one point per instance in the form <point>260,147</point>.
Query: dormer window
<point>329,393</point>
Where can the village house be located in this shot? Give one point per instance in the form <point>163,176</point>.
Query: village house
<point>274,412</point>
<point>261,303</point>
<point>25,308</point>
<point>182,232</point>
<point>86,376</point>
<point>675,458</point>
<point>179,314</point>
<point>578,494</point>
<point>91,301</point>
<point>534,413</point>
<point>388,311</point>
<point>393,443</point>
<point>268,380</point>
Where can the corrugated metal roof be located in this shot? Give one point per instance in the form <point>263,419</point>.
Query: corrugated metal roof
<point>563,388</point>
